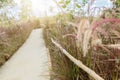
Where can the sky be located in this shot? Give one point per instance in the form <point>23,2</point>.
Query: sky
<point>42,7</point>
<point>39,6</point>
<point>101,3</point>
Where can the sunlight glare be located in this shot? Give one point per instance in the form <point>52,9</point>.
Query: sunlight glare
<point>42,7</point>
<point>38,7</point>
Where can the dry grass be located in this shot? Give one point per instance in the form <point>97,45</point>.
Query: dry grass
<point>99,45</point>
<point>12,37</point>
<point>62,67</point>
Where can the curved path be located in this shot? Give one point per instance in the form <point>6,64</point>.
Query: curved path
<point>30,62</point>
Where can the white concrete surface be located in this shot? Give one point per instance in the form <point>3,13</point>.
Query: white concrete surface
<point>30,62</point>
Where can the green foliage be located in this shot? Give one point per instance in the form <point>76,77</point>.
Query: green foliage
<point>73,6</point>
<point>67,2</point>
<point>110,13</point>
<point>6,15</point>
<point>3,0</point>
<point>78,6</point>
<point>85,2</point>
<point>118,3</point>
<point>26,9</point>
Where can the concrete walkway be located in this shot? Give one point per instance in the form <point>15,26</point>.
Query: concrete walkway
<point>30,62</point>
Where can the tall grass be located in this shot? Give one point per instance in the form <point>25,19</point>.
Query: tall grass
<point>102,49</point>
<point>62,67</point>
<point>13,36</point>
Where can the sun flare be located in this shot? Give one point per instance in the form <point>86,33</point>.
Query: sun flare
<point>41,7</point>
<point>38,7</point>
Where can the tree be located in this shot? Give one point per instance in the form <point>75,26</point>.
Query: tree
<point>76,7</point>
<point>26,11</point>
<point>5,9</point>
<point>4,3</point>
<point>116,8</point>
<point>117,3</point>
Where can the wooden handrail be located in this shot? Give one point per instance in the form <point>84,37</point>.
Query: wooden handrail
<point>77,62</point>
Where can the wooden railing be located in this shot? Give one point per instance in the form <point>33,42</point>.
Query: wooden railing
<point>77,62</point>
